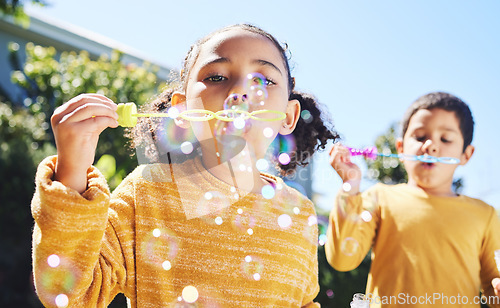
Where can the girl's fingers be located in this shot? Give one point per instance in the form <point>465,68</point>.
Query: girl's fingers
<point>89,111</point>
<point>79,101</point>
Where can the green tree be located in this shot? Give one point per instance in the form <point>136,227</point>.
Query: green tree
<point>15,8</point>
<point>48,80</point>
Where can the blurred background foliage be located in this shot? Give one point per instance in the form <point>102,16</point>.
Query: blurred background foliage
<point>49,79</point>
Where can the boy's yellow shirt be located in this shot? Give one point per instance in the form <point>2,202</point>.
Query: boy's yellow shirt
<point>139,241</point>
<point>427,251</point>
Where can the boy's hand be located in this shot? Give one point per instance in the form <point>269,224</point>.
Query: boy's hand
<point>496,286</point>
<point>77,125</point>
<point>340,160</point>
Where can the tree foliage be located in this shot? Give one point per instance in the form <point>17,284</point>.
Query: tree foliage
<point>48,80</point>
<point>15,8</point>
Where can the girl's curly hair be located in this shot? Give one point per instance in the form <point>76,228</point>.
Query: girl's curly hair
<point>312,132</point>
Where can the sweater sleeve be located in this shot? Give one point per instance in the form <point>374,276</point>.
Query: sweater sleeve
<point>352,229</point>
<point>487,258</point>
<point>81,256</point>
<point>312,289</point>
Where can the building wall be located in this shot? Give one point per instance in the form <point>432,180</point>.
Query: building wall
<point>63,37</point>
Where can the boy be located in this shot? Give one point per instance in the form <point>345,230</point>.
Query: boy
<point>430,246</point>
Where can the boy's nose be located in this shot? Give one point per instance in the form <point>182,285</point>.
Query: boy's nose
<point>429,147</point>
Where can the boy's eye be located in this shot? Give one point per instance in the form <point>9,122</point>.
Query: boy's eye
<point>215,78</point>
<point>420,138</point>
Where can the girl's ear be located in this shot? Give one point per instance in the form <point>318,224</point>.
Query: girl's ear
<point>467,154</point>
<point>178,100</point>
<point>292,117</point>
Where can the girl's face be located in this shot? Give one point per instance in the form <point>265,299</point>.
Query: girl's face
<point>221,69</point>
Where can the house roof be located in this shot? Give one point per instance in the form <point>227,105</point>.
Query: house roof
<point>66,37</point>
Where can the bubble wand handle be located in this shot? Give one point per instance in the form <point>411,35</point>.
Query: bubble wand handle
<point>372,153</point>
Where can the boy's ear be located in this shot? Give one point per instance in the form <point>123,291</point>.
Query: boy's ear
<point>467,154</point>
<point>292,117</point>
<point>177,98</point>
<point>399,145</point>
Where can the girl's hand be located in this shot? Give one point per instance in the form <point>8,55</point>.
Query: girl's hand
<point>76,126</point>
<point>340,160</point>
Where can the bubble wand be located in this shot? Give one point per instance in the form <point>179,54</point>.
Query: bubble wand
<point>372,153</point>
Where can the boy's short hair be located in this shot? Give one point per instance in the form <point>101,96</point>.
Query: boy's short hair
<point>447,102</point>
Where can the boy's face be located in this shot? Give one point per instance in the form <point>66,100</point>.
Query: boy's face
<point>434,132</point>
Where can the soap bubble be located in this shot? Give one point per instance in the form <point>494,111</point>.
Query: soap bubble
<point>57,278</point>
<point>160,245</point>
<point>284,221</point>
<point>210,207</point>
<point>256,89</point>
<point>190,294</point>
<point>252,267</point>
<point>349,246</point>
<point>244,221</point>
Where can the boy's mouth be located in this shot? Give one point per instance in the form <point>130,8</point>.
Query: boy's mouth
<point>428,165</point>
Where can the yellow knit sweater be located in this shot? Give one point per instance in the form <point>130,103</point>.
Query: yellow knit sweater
<point>427,251</point>
<point>185,241</point>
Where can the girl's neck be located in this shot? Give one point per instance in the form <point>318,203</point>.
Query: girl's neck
<point>238,170</point>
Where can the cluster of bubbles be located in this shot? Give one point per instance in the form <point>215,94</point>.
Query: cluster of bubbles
<point>58,277</point>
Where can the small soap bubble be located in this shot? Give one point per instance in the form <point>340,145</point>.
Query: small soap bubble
<point>210,206</point>
<point>190,294</point>
<point>330,293</point>
<point>284,221</point>
<point>166,265</point>
<point>262,165</point>
<point>256,88</point>
<point>218,220</point>
<point>268,132</point>
<point>239,123</point>
<point>62,300</point>
<point>322,238</point>
<point>250,231</point>
<point>346,187</point>
<point>366,216</point>
<point>160,245</point>
<point>173,112</point>
<point>268,192</point>
<point>349,246</point>
<point>312,220</point>
<point>57,280</point>
<point>252,267</point>
<point>244,221</point>
<point>284,158</point>
<point>53,260</point>
<point>306,116</point>
<point>296,210</point>
<point>187,147</point>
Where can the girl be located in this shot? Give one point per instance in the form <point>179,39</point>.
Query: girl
<point>208,230</point>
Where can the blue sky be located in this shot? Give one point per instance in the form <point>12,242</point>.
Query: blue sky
<point>365,60</point>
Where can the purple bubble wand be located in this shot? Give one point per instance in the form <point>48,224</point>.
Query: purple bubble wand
<point>372,153</point>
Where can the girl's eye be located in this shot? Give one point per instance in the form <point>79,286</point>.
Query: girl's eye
<point>270,82</point>
<point>444,140</point>
<point>267,81</point>
<point>215,78</point>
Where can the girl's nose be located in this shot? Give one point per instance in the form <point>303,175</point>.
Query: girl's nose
<point>429,147</point>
